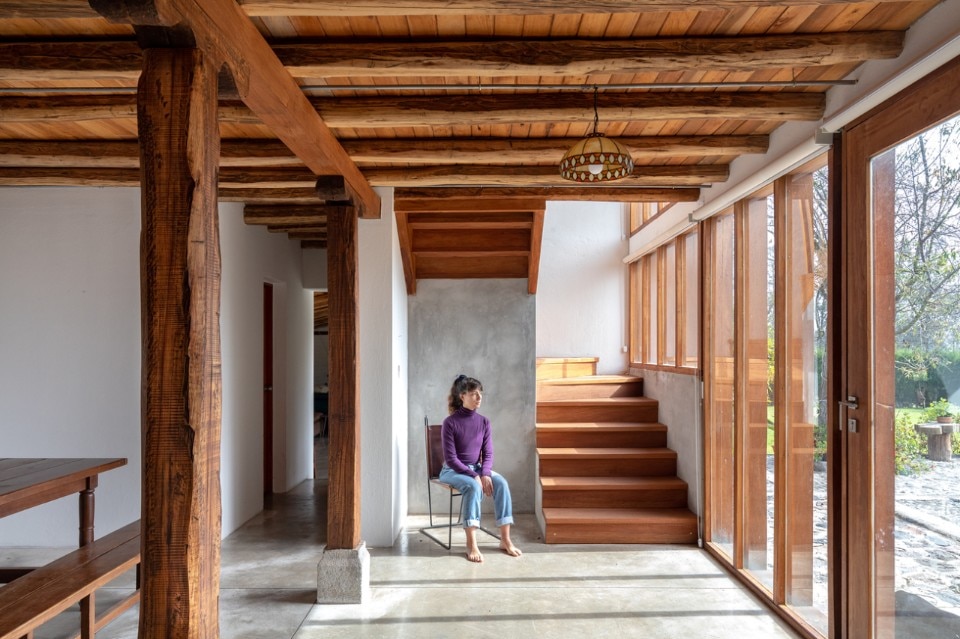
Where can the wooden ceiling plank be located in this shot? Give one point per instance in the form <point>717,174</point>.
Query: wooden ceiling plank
<point>492,253</point>
<point>593,193</point>
<point>439,241</point>
<point>222,29</point>
<point>272,214</point>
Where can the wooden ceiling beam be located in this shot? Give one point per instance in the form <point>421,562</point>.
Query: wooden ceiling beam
<point>121,59</point>
<point>266,153</point>
<point>273,214</point>
<point>452,175</point>
<point>456,110</point>
<point>364,8</point>
<point>222,29</point>
<point>277,178</point>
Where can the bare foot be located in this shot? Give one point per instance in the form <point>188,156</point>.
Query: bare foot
<point>507,547</point>
<point>473,550</point>
<point>474,555</point>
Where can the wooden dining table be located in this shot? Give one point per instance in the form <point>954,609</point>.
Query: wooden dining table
<point>29,482</point>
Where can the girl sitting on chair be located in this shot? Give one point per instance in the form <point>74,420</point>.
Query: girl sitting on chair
<point>468,465</point>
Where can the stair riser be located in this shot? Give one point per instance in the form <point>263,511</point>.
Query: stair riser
<point>589,391</point>
<point>615,499</point>
<point>613,413</point>
<point>607,467</point>
<point>587,439</point>
<point>585,534</point>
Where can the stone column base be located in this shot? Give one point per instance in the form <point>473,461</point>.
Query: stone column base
<point>343,576</point>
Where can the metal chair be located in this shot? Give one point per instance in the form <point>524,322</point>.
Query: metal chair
<point>434,464</point>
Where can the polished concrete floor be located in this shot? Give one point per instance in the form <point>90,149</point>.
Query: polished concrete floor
<point>418,589</point>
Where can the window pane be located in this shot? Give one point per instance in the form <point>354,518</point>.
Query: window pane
<point>720,391</point>
<point>805,421</point>
<point>692,292</point>
<point>670,305</point>
<point>759,416</point>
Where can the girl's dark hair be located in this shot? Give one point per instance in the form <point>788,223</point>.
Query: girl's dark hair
<point>462,384</point>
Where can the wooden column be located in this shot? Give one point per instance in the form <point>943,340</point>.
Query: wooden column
<point>180,305</point>
<point>343,510</point>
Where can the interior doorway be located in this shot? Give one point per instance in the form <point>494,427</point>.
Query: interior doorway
<point>267,389</point>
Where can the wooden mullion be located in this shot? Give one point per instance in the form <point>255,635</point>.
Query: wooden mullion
<point>633,304</point>
<point>783,367</point>
<point>680,281</point>
<point>661,305</point>
<point>740,382</point>
<point>645,316</point>
<point>708,277</point>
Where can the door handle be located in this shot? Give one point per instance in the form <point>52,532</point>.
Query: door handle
<point>851,402</point>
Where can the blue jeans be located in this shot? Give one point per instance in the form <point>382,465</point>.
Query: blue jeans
<point>473,494</point>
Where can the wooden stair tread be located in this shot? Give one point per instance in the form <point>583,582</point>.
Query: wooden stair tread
<point>619,516</point>
<point>606,453</point>
<point>612,483</point>
<point>601,426</point>
<point>599,401</point>
<point>591,379</point>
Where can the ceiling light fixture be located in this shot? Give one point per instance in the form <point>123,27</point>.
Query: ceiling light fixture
<point>596,158</point>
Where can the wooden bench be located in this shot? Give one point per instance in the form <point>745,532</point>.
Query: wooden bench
<point>42,594</point>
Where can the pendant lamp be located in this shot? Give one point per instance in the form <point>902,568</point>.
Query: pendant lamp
<point>596,158</point>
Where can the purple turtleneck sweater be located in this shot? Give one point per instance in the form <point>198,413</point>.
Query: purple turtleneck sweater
<point>466,440</point>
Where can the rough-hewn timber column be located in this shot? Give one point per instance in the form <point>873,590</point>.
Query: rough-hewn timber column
<point>180,298</point>
<point>344,569</point>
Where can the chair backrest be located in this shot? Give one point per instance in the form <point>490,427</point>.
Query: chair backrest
<point>434,450</point>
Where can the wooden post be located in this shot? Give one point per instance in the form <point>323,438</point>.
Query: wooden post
<point>343,527</point>
<point>181,386</point>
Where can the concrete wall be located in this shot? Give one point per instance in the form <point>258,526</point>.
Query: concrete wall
<point>70,352</point>
<point>680,414</point>
<point>383,379</point>
<point>485,329</point>
<point>581,308</point>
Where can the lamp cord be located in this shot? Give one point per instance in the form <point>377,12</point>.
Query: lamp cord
<point>596,114</point>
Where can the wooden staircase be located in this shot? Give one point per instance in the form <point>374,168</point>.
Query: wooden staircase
<point>606,474</point>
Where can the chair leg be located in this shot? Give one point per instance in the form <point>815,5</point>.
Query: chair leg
<point>449,525</point>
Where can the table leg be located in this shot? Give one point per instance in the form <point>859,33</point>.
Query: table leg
<point>87,604</point>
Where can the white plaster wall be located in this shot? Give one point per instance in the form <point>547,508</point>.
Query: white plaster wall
<point>581,310</point>
<point>383,378</point>
<point>70,352</point>
<point>70,347</point>
<point>484,328</point>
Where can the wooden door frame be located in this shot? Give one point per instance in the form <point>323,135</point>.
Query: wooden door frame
<point>928,102</point>
<point>268,388</point>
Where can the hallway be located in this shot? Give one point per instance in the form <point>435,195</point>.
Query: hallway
<point>268,588</point>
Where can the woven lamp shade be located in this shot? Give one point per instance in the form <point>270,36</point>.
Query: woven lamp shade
<point>596,158</point>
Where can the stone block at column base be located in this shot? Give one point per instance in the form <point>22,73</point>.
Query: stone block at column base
<point>343,576</point>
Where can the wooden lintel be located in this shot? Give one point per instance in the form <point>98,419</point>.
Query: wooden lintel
<point>292,195</point>
<point>467,224</point>
<point>120,59</point>
<point>468,204</point>
<point>314,231</point>
<point>593,193</point>
<point>406,251</point>
<point>493,253</point>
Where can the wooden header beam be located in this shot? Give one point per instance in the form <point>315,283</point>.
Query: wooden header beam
<point>587,193</point>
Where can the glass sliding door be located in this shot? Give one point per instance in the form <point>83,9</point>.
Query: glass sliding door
<point>901,294</point>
